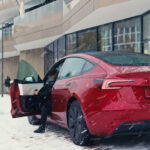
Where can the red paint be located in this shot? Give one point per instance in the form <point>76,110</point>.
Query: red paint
<point>106,108</point>
<point>16,109</point>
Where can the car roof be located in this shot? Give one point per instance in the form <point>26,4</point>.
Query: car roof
<point>100,55</point>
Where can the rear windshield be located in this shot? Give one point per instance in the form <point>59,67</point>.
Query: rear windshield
<point>127,60</point>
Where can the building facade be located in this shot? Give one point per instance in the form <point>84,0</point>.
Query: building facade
<point>52,29</point>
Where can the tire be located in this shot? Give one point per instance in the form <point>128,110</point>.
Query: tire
<point>77,125</point>
<point>33,120</point>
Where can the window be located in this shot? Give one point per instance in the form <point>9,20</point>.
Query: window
<point>87,40</point>
<point>48,57</point>
<point>52,75</point>
<point>146,32</point>
<point>61,47</point>
<point>55,51</point>
<point>71,43</point>
<point>71,67</point>
<point>127,35</point>
<point>105,38</point>
<point>26,70</point>
<point>147,47</point>
<point>87,67</point>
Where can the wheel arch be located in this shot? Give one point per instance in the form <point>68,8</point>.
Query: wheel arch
<point>74,98</point>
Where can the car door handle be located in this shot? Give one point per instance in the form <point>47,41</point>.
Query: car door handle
<point>68,84</point>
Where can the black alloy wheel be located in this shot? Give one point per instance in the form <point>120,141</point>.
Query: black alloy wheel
<point>77,125</point>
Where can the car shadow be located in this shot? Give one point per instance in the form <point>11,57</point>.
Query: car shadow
<point>124,141</point>
<point>58,131</point>
<point>119,142</point>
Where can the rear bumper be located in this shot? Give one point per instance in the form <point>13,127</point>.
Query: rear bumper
<point>133,127</point>
<point>114,122</point>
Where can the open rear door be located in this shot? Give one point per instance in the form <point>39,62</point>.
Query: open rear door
<point>22,89</point>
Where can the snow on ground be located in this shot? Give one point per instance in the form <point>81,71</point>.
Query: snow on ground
<point>17,134</point>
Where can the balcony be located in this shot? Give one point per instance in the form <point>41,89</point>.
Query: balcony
<point>49,12</point>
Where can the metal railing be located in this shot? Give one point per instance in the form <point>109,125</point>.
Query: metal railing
<point>50,10</point>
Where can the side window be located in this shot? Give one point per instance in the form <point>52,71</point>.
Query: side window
<point>71,67</point>
<point>87,67</point>
<point>53,74</point>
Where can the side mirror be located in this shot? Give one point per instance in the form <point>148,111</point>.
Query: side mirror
<point>29,79</point>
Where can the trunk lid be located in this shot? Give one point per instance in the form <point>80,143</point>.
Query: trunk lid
<point>137,91</point>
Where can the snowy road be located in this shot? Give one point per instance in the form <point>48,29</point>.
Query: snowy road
<point>17,134</point>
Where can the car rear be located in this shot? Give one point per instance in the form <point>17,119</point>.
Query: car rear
<point>121,99</point>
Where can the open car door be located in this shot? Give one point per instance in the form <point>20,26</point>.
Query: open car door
<point>22,89</point>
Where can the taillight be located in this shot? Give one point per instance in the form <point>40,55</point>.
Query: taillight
<point>110,84</point>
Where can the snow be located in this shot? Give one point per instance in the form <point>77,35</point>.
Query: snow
<point>17,134</point>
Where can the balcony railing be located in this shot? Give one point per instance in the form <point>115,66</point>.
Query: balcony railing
<point>49,10</point>
<point>68,5</point>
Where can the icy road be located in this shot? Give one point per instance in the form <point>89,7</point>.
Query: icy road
<point>17,134</point>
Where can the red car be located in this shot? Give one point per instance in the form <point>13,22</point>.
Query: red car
<point>98,93</point>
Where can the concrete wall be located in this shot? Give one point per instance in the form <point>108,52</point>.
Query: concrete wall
<point>35,58</point>
<point>10,69</point>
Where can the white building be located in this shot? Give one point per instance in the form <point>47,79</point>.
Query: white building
<point>52,29</point>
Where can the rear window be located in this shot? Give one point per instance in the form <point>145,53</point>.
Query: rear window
<point>87,67</point>
<point>127,59</point>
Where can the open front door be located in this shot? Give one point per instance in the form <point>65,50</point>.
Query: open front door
<point>22,89</point>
